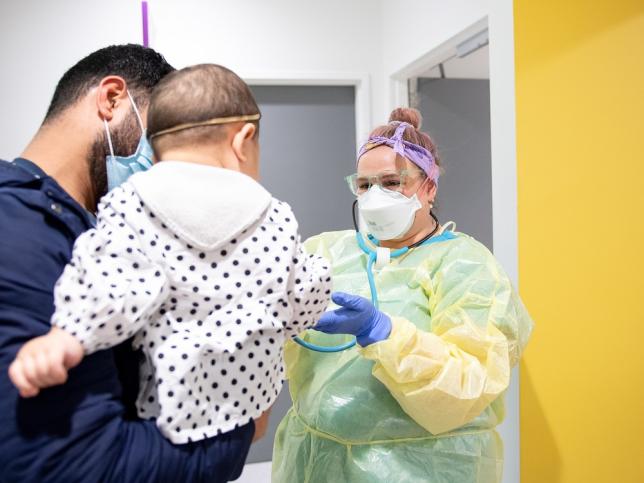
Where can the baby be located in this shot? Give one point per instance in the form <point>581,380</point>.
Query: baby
<point>195,260</point>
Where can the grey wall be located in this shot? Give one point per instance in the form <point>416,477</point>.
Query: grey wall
<point>307,142</point>
<point>307,138</point>
<point>456,113</point>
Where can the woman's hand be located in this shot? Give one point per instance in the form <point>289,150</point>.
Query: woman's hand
<point>357,316</point>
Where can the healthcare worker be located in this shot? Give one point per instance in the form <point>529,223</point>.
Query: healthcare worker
<point>438,328</point>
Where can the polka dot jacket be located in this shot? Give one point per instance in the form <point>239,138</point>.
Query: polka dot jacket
<point>205,269</point>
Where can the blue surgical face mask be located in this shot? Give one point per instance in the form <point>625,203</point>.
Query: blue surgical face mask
<point>120,168</point>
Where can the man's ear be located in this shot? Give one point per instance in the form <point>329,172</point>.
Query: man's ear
<point>242,139</point>
<point>111,91</point>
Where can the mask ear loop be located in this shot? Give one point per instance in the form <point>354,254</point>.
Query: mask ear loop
<point>107,129</point>
<point>450,224</point>
<point>109,138</point>
<point>136,111</point>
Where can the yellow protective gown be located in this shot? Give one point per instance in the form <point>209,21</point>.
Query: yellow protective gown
<point>422,405</point>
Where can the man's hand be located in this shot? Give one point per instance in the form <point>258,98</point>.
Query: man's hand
<point>261,424</point>
<point>44,361</point>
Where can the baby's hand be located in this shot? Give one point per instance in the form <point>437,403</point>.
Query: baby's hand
<point>44,361</point>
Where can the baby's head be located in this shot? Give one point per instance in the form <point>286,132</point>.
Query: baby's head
<point>205,114</point>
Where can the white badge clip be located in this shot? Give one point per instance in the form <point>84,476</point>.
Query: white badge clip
<point>383,257</point>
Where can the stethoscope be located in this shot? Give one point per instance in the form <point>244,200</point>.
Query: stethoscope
<point>380,256</point>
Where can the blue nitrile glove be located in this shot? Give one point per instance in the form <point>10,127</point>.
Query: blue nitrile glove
<point>356,316</point>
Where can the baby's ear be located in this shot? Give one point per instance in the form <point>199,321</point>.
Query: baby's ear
<point>249,130</point>
<point>241,137</point>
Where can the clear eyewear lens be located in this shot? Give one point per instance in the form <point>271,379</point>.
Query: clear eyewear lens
<point>391,180</point>
<point>351,181</point>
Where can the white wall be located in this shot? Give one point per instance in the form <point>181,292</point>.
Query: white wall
<point>504,193</point>
<point>259,36</point>
<point>259,39</point>
<point>411,28</point>
<point>256,38</point>
<point>38,42</point>
<point>277,39</point>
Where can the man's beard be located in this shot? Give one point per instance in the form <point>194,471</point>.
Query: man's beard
<point>125,139</point>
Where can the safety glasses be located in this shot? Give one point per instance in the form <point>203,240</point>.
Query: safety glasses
<point>389,180</point>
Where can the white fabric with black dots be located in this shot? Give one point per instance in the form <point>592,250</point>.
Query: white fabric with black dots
<point>211,316</point>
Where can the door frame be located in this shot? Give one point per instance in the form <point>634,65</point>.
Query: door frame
<point>359,81</point>
<point>398,86</point>
<point>500,25</point>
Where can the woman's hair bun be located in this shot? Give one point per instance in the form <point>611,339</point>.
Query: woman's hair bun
<point>408,115</point>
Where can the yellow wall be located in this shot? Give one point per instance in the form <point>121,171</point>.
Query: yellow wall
<point>580,139</point>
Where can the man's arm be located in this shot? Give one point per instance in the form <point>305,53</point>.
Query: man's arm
<point>77,431</point>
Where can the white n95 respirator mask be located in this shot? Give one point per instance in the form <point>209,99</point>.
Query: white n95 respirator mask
<point>386,214</point>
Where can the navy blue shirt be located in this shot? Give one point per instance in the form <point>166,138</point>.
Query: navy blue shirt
<point>79,431</point>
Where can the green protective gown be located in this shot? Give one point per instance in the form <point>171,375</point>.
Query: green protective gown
<point>421,406</point>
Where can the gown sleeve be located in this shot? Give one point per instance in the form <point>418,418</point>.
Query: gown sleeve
<point>446,372</point>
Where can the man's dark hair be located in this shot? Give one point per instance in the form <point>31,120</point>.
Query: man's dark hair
<point>141,67</point>
<point>196,94</point>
